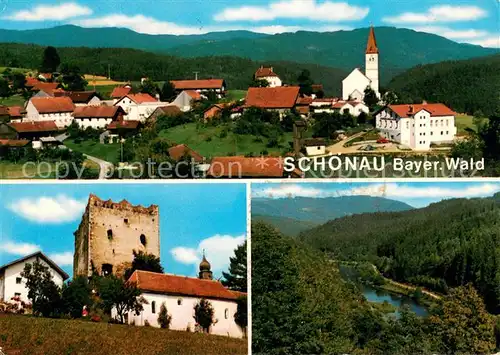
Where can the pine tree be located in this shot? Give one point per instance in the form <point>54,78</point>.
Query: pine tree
<point>50,60</point>
<point>236,278</point>
<point>204,314</point>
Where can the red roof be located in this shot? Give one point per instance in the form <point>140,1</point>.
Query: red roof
<point>141,98</point>
<point>198,84</point>
<point>15,111</point>
<point>263,72</point>
<point>304,110</point>
<point>154,282</point>
<point>124,124</point>
<point>30,82</point>
<point>48,88</point>
<point>179,151</point>
<point>433,109</point>
<point>14,142</point>
<point>97,111</point>
<point>194,94</point>
<point>38,126</point>
<point>80,97</point>
<point>304,100</point>
<point>239,166</point>
<point>278,97</point>
<point>120,91</point>
<point>371,46</point>
<point>53,104</point>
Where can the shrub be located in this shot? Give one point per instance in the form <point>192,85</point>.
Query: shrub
<point>164,318</point>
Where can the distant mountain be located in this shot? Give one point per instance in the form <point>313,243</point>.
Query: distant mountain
<point>287,226</point>
<point>400,49</point>
<point>321,210</point>
<point>465,85</point>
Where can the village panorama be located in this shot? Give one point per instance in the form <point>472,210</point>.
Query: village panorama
<point>59,122</point>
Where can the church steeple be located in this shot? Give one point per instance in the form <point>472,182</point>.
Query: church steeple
<point>371,46</point>
<point>205,269</point>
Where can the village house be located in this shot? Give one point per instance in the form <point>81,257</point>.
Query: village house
<point>42,89</point>
<point>180,151</point>
<point>186,99</point>
<point>215,111</point>
<point>12,284</point>
<point>315,146</point>
<point>267,74</point>
<point>34,132</point>
<point>218,86</point>
<point>280,99</point>
<point>354,108</point>
<point>323,105</point>
<point>139,107</point>
<point>97,117</point>
<point>16,113</point>
<point>81,98</point>
<point>180,294</point>
<point>354,85</point>
<point>417,126</point>
<point>250,167</point>
<point>122,129</point>
<point>57,109</point>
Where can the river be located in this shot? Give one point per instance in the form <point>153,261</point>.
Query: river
<point>380,296</point>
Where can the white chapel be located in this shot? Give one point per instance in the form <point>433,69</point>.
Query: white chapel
<point>353,87</point>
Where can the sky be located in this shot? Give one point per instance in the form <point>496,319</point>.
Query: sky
<point>464,21</point>
<point>416,194</point>
<point>193,217</point>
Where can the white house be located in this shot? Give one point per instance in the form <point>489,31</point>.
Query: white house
<point>12,284</point>
<point>417,126</point>
<point>180,294</point>
<point>57,109</point>
<point>267,74</point>
<point>97,116</point>
<point>354,108</point>
<point>184,101</point>
<point>353,87</point>
<point>315,146</point>
<point>218,86</point>
<point>138,107</point>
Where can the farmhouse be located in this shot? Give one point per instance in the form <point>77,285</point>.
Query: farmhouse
<point>45,89</point>
<point>185,100</point>
<point>417,126</point>
<point>97,116</point>
<point>81,98</point>
<point>202,86</point>
<point>139,107</point>
<point>120,91</point>
<point>315,146</point>
<point>354,85</point>
<point>34,132</point>
<point>12,284</point>
<point>180,294</point>
<point>267,74</point>
<point>280,99</point>
<point>57,109</point>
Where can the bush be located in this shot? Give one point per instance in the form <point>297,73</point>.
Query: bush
<point>164,318</point>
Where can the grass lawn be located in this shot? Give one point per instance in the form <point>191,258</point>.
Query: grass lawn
<point>14,100</point>
<point>233,95</point>
<point>29,335</point>
<point>9,170</point>
<point>207,141</point>
<point>107,152</point>
<point>462,122</point>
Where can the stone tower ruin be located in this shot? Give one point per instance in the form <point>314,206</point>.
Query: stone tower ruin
<point>110,232</point>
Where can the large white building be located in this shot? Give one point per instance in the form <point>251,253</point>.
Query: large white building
<point>180,294</point>
<point>267,74</point>
<point>12,284</point>
<point>57,109</point>
<point>138,107</point>
<point>417,126</point>
<point>353,87</point>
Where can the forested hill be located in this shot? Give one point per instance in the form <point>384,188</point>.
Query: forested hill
<point>400,49</point>
<point>444,245</point>
<point>131,64</point>
<point>466,85</point>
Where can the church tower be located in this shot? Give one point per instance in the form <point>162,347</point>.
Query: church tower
<point>205,269</point>
<point>372,61</point>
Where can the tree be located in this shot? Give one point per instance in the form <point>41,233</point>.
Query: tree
<point>305,82</point>
<point>72,79</point>
<point>390,98</point>
<point>75,295</point>
<point>144,261</point>
<point>462,323</point>
<point>241,315</point>
<point>149,87</point>
<point>236,278</point>
<point>50,60</point>
<point>259,83</point>
<point>18,81</point>
<point>42,290</point>
<point>370,99</point>
<point>119,295</point>
<point>167,91</point>
<point>204,314</point>
<point>164,318</point>
<point>4,88</point>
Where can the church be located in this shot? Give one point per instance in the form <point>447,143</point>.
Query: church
<point>354,85</point>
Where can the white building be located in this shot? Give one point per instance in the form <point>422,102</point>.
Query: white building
<point>57,109</point>
<point>180,294</point>
<point>12,284</point>
<point>417,126</point>
<point>353,87</point>
<point>204,86</point>
<point>315,146</point>
<point>354,108</point>
<point>138,107</point>
<point>97,116</point>
<point>267,74</point>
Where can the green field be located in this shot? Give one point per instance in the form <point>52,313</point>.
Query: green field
<point>107,152</point>
<point>9,170</point>
<point>207,141</point>
<point>462,122</point>
<point>235,95</point>
<point>14,100</point>
<point>29,335</point>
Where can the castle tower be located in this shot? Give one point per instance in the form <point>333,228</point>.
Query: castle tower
<point>205,272</point>
<point>371,60</point>
<point>108,234</point>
